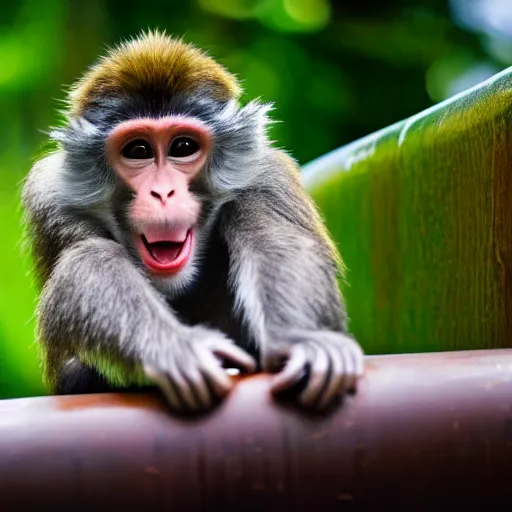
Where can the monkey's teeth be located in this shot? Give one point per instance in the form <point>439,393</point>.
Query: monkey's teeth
<point>159,234</point>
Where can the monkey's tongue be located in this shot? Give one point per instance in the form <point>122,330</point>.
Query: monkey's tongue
<point>165,252</point>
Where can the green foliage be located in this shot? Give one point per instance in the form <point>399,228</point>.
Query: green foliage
<point>336,72</point>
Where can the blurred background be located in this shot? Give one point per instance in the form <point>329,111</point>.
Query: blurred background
<point>335,70</point>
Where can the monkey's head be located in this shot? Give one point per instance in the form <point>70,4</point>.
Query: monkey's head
<point>155,143</point>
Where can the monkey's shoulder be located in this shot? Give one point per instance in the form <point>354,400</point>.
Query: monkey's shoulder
<point>41,182</point>
<point>281,161</point>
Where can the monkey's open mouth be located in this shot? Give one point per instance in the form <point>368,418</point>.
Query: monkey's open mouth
<point>164,252</point>
<point>165,256</point>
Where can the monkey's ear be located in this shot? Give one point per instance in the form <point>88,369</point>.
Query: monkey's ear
<point>256,113</point>
<point>246,126</point>
<point>78,128</point>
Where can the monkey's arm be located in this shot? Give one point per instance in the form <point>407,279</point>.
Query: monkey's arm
<point>283,275</point>
<point>98,307</point>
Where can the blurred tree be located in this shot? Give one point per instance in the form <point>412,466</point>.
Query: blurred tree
<point>335,70</point>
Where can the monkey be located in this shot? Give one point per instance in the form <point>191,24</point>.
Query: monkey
<point>172,240</point>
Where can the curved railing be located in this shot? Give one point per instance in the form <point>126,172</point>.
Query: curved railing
<point>424,432</point>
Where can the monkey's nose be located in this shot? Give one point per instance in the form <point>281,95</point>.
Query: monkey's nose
<point>161,195</point>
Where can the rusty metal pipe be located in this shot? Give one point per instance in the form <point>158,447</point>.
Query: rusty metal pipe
<point>424,432</point>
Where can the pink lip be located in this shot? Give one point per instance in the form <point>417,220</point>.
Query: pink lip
<point>169,268</point>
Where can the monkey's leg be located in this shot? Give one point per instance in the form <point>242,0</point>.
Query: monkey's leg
<point>75,378</point>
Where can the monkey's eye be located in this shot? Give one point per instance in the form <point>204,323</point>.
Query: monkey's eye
<point>183,147</point>
<point>138,150</point>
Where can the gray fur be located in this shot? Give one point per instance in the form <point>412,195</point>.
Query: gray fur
<point>264,275</point>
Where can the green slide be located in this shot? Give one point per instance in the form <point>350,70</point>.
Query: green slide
<point>422,214</point>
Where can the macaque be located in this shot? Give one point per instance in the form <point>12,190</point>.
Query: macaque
<point>171,241</point>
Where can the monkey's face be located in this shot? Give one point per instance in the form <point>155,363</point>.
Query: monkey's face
<point>158,159</point>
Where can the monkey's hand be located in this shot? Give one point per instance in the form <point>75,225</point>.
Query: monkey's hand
<point>329,362</point>
<point>190,372</point>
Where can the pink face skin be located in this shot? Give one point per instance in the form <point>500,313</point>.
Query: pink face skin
<point>164,212</point>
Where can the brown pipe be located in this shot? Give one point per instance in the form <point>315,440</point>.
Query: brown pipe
<point>424,432</point>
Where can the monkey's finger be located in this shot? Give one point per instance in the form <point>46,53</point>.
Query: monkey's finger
<point>319,376</point>
<point>235,354</point>
<point>338,377</point>
<point>216,375</point>
<point>354,355</point>
<point>166,387</point>
<point>292,372</point>
<point>359,358</point>
<point>183,386</point>
<point>199,386</point>
<point>355,362</point>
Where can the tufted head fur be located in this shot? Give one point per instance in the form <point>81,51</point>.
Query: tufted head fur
<point>153,64</point>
